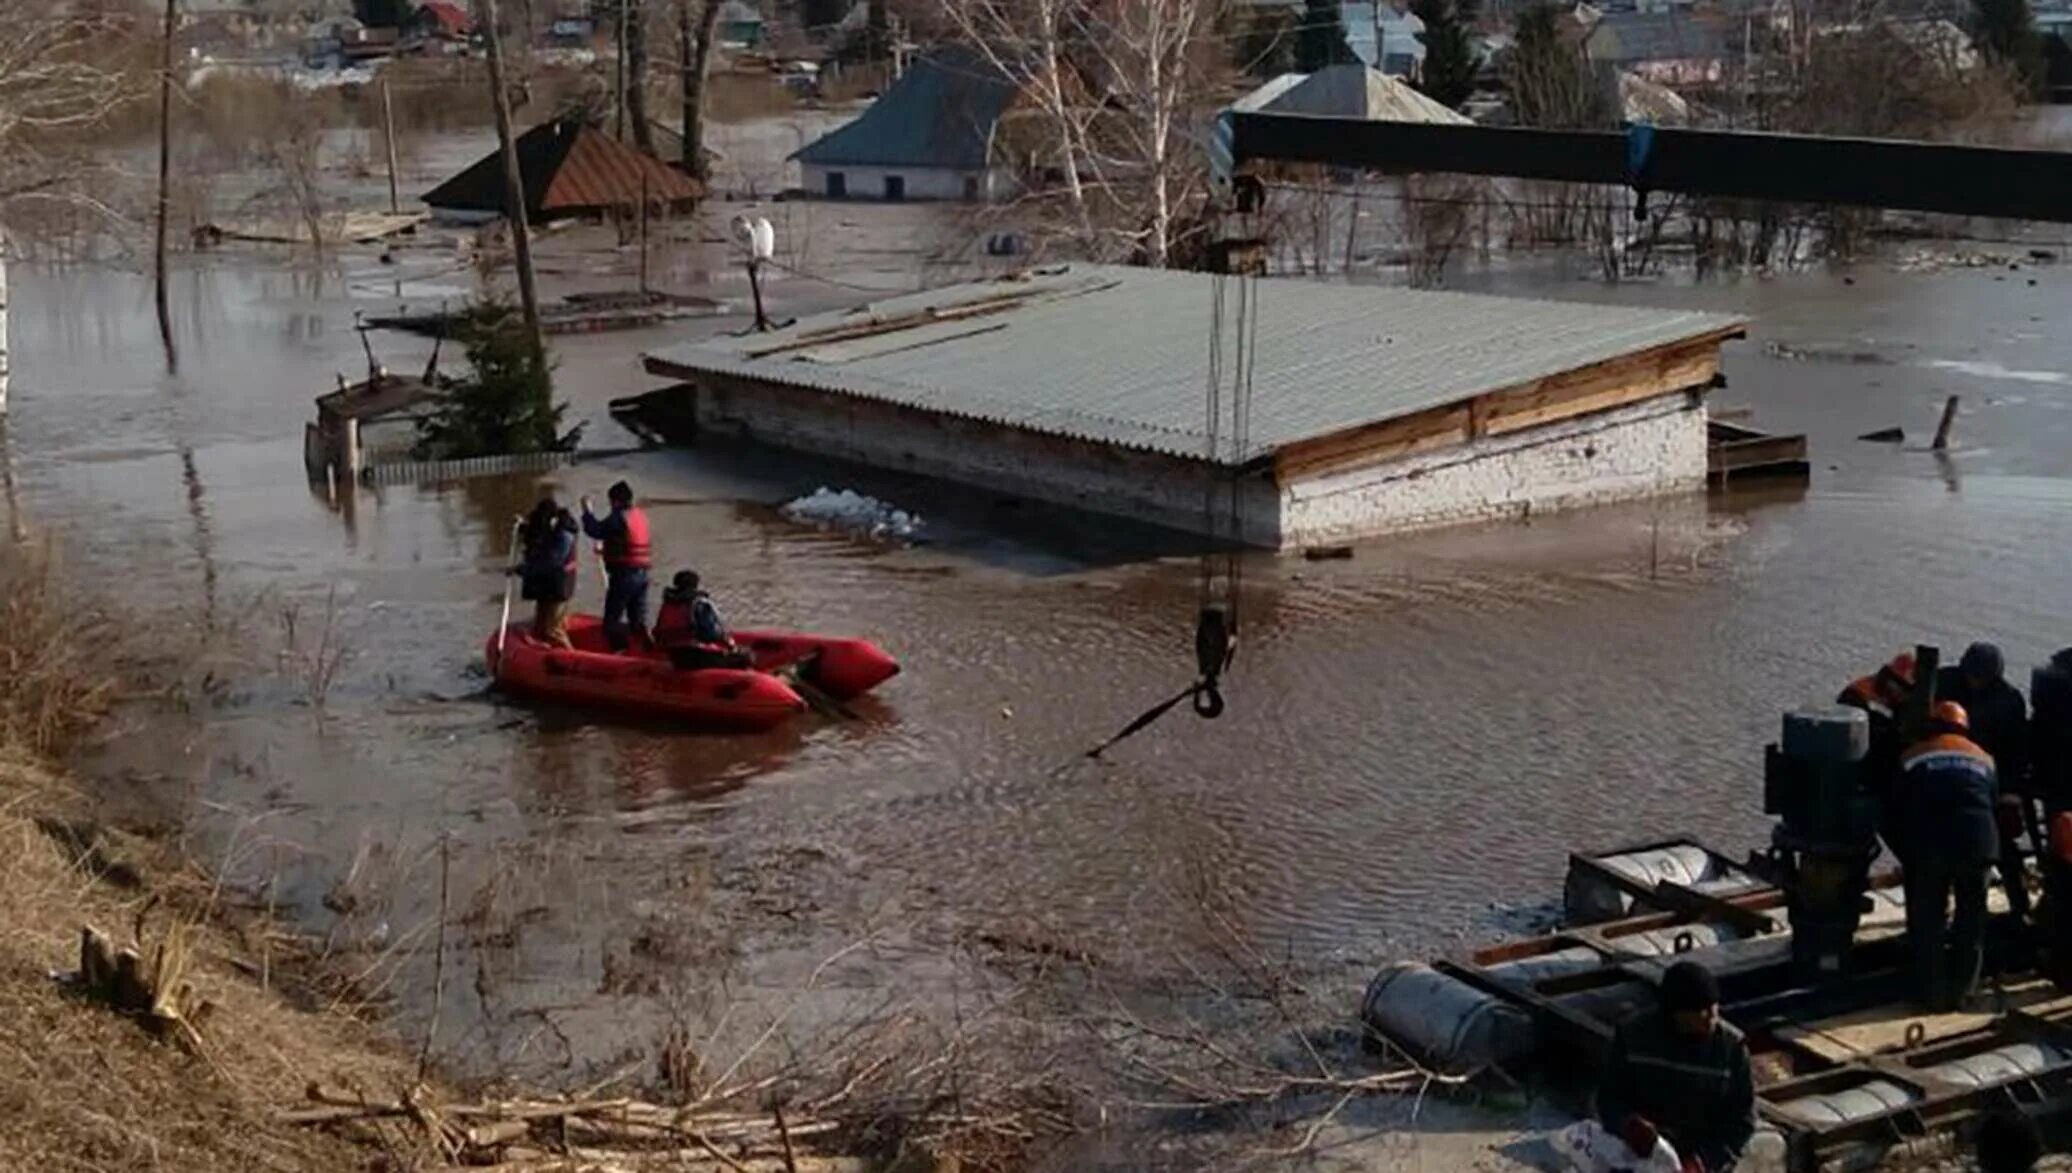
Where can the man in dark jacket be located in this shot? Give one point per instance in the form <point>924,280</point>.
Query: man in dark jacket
<point>1682,1073</point>
<point>547,574</point>
<point>2000,726</point>
<point>1999,715</point>
<point>1947,792</point>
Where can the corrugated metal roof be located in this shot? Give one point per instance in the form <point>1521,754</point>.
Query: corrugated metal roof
<point>1120,356</point>
<point>941,113</point>
<point>1348,91</point>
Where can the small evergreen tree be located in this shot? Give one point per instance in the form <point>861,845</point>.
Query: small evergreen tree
<point>505,404</point>
<point>1449,63</point>
<point>2006,31</point>
<point>1321,40</point>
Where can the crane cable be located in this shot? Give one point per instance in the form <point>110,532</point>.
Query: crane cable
<point>1222,570</point>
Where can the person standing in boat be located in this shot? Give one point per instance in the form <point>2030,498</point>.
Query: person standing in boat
<point>628,553</point>
<point>547,573</point>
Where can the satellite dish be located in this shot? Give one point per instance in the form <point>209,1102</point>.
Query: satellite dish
<point>763,243</point>
<point>744,231</point>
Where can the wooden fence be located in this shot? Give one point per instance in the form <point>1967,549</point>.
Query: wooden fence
<point>421,472</point>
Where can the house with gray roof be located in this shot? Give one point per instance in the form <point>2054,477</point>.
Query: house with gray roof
<point>1674,49</point>
<point>1371,410</point>
<point>931,136</point>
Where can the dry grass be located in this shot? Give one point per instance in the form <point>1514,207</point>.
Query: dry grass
<point>83,1086</point>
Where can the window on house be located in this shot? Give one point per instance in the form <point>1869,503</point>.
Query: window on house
<point>895,187</point>
<point>837,185</point>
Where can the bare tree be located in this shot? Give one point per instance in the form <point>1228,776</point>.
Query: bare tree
<point>1025,41</point>
<point>637,74</point>
<point>697,25</point>
<point>1150,56</point>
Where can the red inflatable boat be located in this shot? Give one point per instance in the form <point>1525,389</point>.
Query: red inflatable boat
<point>645,683</point>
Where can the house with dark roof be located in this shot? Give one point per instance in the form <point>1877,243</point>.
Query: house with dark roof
<point>569,170</point>
<point>1668,48</point>
<point>931,136</point>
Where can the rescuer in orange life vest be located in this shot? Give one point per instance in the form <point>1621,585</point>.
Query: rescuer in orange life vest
<point>1946,798</point>
<point>628,554</point>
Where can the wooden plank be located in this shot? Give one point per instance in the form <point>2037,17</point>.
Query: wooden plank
<point>1439,427</point>
<point>1603,387</point>
<point>1847,1038</point>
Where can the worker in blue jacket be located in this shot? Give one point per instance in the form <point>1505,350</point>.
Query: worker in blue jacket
<point>1947,792</point>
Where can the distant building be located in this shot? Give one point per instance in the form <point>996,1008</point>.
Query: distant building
<point>931,136</point>
<point>569,170</point>
<point>440,20</point>
<point>740,25</point>
<point>1673,49</point>
<point>1372,410</point>
<point>1402,46</point>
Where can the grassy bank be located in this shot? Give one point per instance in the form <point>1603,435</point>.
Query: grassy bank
<point>82,1085</point>
<point>225,1047</point>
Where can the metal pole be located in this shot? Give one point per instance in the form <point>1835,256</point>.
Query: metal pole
<point>643,232</point>
<point>388,134</point>
<point>514,185</point>
<point>619,73</point>
<point>165,167</point>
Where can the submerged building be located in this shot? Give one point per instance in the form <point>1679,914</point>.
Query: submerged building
<point>1371,410</point>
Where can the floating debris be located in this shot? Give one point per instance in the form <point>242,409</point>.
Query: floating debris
<point>850,510</point>
<point>1886,436</point>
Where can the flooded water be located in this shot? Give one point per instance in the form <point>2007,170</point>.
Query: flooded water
<point>1416,737</point>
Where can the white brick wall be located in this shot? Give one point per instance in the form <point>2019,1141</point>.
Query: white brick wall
<point>922,183</point>
<point>1642,450</point>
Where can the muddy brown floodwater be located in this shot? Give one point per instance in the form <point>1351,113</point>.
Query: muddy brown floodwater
<point>1416,737</point>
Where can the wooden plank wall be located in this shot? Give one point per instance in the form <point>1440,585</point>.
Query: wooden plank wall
<point>1680,366</point>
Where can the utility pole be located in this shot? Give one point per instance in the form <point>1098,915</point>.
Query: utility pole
<point>165,170</point>
<point>388,135</point>
<point>514,185</point>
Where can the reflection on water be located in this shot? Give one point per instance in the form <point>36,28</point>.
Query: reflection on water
<point>1413,736</point>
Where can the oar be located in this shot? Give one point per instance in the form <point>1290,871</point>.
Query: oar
<point>817,698</point>
<point>503,627</point>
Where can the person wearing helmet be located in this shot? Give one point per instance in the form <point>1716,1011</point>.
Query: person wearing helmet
<point>1883,695</point>
<point>1947,792</point>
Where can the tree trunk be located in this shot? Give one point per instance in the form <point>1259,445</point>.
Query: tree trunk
<point>698,43</point>
<point>165,170</point>
<point>636,75</point>
<point>514,186</point>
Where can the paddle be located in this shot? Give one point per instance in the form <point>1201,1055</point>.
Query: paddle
<point>503,627</point>
<point>816,698</point>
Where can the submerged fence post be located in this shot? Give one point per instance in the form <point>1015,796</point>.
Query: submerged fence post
<point>1949,420</point>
